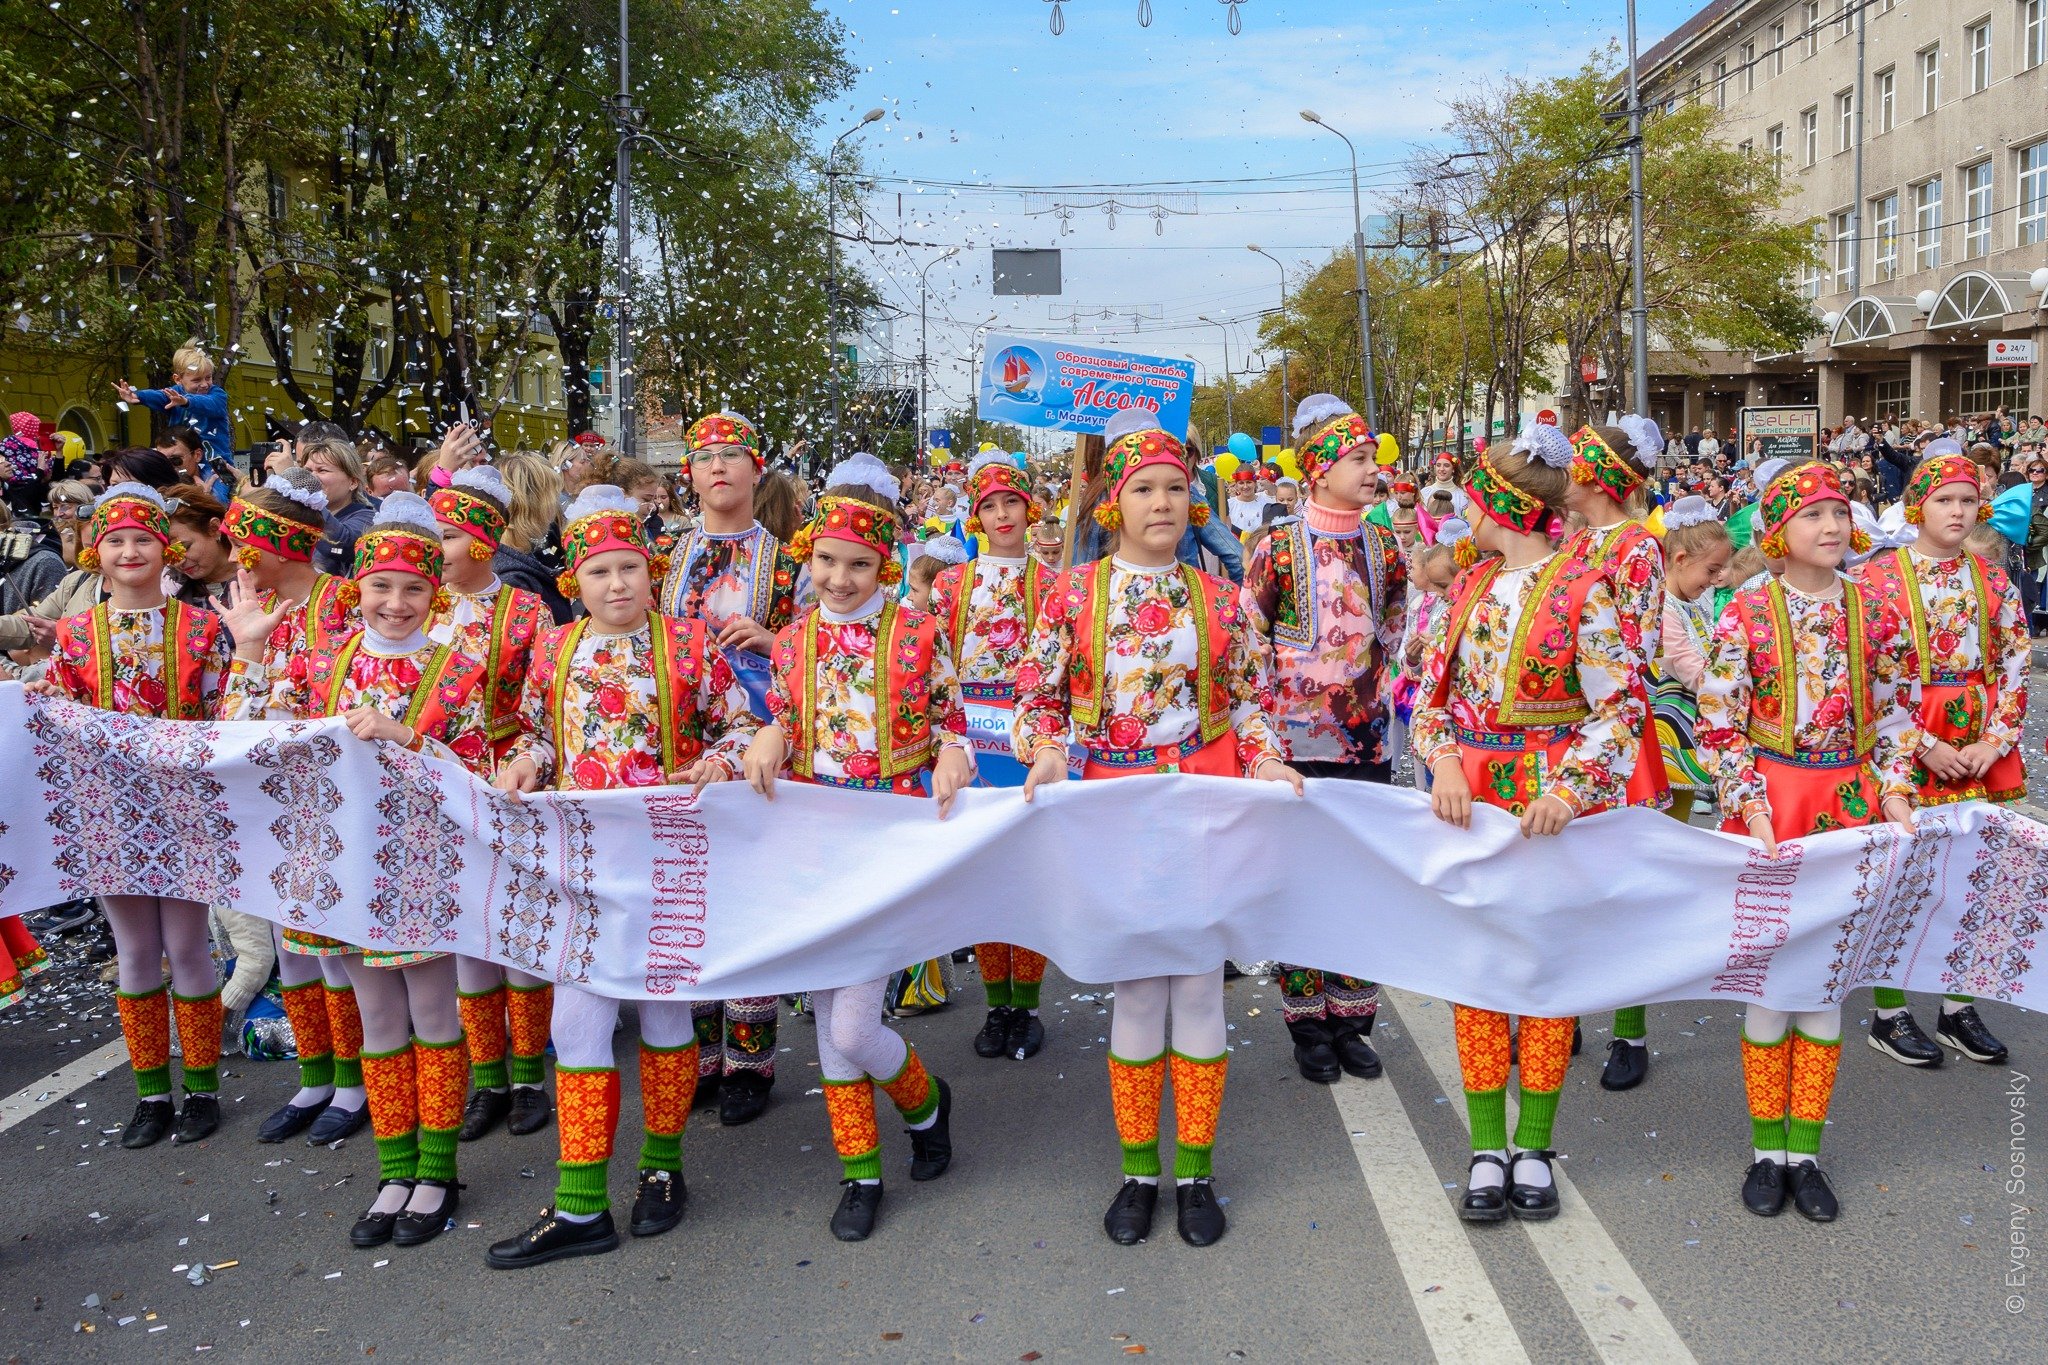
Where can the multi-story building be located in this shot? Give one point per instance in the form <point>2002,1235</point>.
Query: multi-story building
<point>1944,252</point>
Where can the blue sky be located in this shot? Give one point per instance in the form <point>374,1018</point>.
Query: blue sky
<point>981,92</point>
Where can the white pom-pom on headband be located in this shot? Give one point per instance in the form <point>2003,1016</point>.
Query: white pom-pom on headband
<point>485,480</point>
<point>987,458</point>
<point>599,497</point>
<point>1690,510</point>
<point>945,549</point>
<point>1123,424</point>
<point>863,470</point>
<point>1644,436</point>
<point>1545,443</point>
<point>312,499</point>
<point>128,488</point>
<point>1317,409</point>
<point>401,508</point>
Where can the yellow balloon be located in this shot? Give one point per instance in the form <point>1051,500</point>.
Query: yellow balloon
<point>73,446</point>
<point>1226,466</point>
<point>1390,449</point>
<point>1289,465</point>
<point>1655,522</point>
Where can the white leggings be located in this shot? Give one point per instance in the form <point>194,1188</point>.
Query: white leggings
<point>583,1025</point>
<point>1765,1027</point>
<point>300,969</point>
<point>852,1039</point>
<point>475,975</point>
<point>399,1004</point>
<point>148,929</point>
<point>1137,1022</point>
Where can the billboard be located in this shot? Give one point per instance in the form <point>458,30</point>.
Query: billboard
<point>1788,433</point>
<point>1069,386</point>
<point>1019,271</point>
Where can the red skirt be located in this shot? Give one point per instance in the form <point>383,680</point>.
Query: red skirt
<point>1956,708</point>
<point>1511,768</point>
<point>1648,785</point>
<point>1217,758</point>
<point>21,957</point>
<point>1814,794</point>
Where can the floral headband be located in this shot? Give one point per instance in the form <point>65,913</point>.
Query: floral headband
<point>723,429</point>
<point>1937,473</point>
<point>252,529</point>
<point>1131,452</point>
<point>398,549</point>
<point>127,512</point>
<point>995,478</point>
<point>1507,505</point>
<point>856,523</point>
<point>460,510</point>
<point>1333,442</point>
<point>1597,463</point>
<point>1791,493</point>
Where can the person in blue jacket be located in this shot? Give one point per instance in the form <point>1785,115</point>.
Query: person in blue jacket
<point>191,397</point>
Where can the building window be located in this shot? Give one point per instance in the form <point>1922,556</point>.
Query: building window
<point>1976,210</point>
<point>1887,100</point>
<point>1720,85</point>
<point>2033,33</point>
<point>1810,272</point>
<point>2033,196</point>
<point>1930,79</point>
<point>1987,390</point>
<point>1844,20</point>
<point>1746,76</point>
<point>1774,141</point>
<point>1809,27</point>
<point>1845,248</point>
<point>1778,47</point>
<point>1891,396</point>
<point>1845,120</point>
<point>1927,225</point>
<point>1747,148</point>
<point>1809,136</point>
<point>1884,217</point>
<point>1977,38</point>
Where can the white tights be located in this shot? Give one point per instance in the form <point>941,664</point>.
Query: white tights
<point>475,975</point>
<point>299,969</point>
<point>399,1004</point>
<point>1137,1024</point>
<point>852,1039</point>
<point>583,1025</point>
<point>148,929</point>
<point>1765,1027</point>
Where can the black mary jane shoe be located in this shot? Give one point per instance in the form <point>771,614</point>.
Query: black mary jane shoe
<point>994,1037</point>
<point>710,1091</point>
<point>1026,1037</point>
<point>1811,1193</point>
<point>1314,1058</point>
<point>153,1119</point>
<point>288,1122</point>
<point>1763,1188</point>
<point>485,1111</point>
<point>530,1110</point>
<point>414,1229</point>
<point>1354,1053</point>
<point>336,1123</point>
<point>1966,1033</point>
<point>198,1120</point>
<point>551,1239</point>
<point>1627,1064</point>
<point>931,1148</point>
<point>745,1098</point>
<point>660,1203</point>
<point>1129,1219</point>
<point>860,1208</point>
<point>1200,1214</point>
<point>1532,1203</point>
<point>375,1229</point>
<point>1488,1204</point>
<point>1900,1039</point>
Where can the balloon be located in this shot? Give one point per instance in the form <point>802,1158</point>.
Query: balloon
<point>1390,449</point>
<point>986,445</point>
<point>1289,465</point>
<point>2010,511</point>
<point>1478,445</point>
<point>1244,447</point>
<point>73,447</point>
<point>1226,466</point>
<point>1020,459</point>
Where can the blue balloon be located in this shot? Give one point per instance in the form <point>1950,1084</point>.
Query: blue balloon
<point>1023,460</point>
<point>2010,511</point>
<point>1244,447</point>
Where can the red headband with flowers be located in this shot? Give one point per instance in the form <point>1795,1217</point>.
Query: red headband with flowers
<point>460,510</point>
<point>398,549</point>
<point>1595,462</point>
<point>1136,450</point>
<point>1503,502</point>
<point>856,523</point>
<point>1332,442</point>
<point>594,534</point>
<point>1938,473</point>
<point>1791,493</point>
<point>994,478</point>
<point>125,512</point>
<point>251,528</point>
<point>723,429</point>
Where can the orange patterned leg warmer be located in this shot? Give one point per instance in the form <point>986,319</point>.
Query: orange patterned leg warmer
<point>1767,1082</point>
<point>911,1089</point>
<point>994,961</point>
<point>199,1024</point>
<point>393,1088</point>
<point>345,1027</point>
<point>1134,1091</point>
<point>1197,1108</point>
<point>438,1069</point>
<point>851,1107</point>
<point>483,1028</point>
<point>1027,973</point>
<point>1483,1062</point>
<point>587,1113</point>
<point>668,1087</point>
<point>306,1007</point>
<point>531,1010</point>
<point>146,1025</point>
<point>1812,1089</point>
<point>1546,1051</point>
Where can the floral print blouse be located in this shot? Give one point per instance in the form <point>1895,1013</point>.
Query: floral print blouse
<point>141,685</point>
<point>712,580</point>
<point>1635,576</point>
<point>382,674</point>
<point>289,641</point>
<point>1602,753</point>
<point>1948,599</point>
<point>994,641</point>
<point>1149,676</point>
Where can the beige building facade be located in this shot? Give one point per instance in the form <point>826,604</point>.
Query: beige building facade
<point>1941,263</point>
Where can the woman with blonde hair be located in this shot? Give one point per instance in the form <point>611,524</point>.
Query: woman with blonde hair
<point>536,502</point>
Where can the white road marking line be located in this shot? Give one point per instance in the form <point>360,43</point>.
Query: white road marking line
<point>1620,1317</point>
<point>1462,1316</point>
<point>32,1099</point>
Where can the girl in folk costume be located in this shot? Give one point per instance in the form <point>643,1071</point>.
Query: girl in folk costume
<point>504,1010</point>
<point>625,697</point>
<point>1530,703</point>
<point>864,699</point>
<point>741,583</point>
<point>1326,600</point>
<point>1973,657</point>
<point>1610,467</point>
<point>1155,669</point>
<point>140,653</point>
<point>1697,553</point>
<point>274,529</point>
<point>1806,716</point>
<point>391,683</point>
<point>988,607</point>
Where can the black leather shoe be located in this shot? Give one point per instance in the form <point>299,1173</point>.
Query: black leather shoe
<point>1763,1189</point>
<point>995,1032</point>
<point>551,1239</point>
<point>486,1110</point>
<point>198,1120</point>
<point>289,1122</point>
<point>1488,1205</point>
<point>660,1203</point>
<point>153,1119</point>
<point>1354,1054</point>
<point>1627,1064</point>
<point>1900,1039</point>
<point>745,1098</point>
<point>1129,1220</point>
<point>1966,1033</point>
<point>709,1092</point>
<point>336,1123</point>
<point>1313,1055</point>
<point>1532,1203</point>
<point>1811,1193</point>
<point>1200,1216</point>
<point>1578,1038</point>
<point>374,1229</point>
<point>530,1110</point>
<point>413,1229</point>
<point>860,1207</point>
<point>931,1149</point>
<point>1027,1035</point>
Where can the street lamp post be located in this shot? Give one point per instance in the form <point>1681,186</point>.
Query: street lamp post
<point>1639,311</point>
<point>924,350</point>
<point>1372,407</point>
<point>832,275</point>
<point>1229,413</point>
<point>1201,370</point>
<point>1285,429</point>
